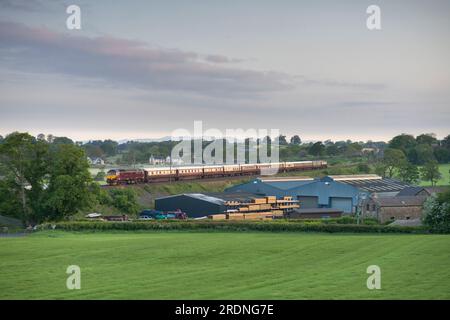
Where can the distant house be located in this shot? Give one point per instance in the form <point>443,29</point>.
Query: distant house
<point>393,208</point>
<point>155,161</point>
<point>98,162</point>
<point>89,160</point>
<point>369,150</point>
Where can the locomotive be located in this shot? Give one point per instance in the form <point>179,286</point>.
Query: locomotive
<point>162,174</point>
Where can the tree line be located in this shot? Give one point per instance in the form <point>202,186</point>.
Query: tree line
<point>405,153</point>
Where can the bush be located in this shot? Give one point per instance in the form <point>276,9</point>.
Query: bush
<point>363,168</point>
<point>437,212</point>
<point>125,199</point>
<point>100,176</point>
<point>267,226</point>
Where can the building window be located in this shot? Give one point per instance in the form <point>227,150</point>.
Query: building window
<point>368,207</point>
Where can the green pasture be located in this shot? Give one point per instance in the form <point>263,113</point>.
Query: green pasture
<point>224,265</point>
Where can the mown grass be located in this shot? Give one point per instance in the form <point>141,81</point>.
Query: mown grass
<point>199,265</point>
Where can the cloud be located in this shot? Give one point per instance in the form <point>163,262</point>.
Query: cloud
<point>22,5</point>
<point>132,63</point>
<point>343,84</point>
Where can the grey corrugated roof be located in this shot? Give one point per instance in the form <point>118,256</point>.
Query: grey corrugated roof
<point>377,185</point>
<point>205,197</point>
<point>287,184</point>
<point>218,197</point>
<point>199,196</point>
<point>402,201</point>
<point>410,191</point>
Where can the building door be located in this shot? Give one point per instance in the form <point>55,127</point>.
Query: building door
<point>308,202</point>
<point>344,204</point>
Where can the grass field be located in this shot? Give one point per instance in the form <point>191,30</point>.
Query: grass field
<point>182,265</point>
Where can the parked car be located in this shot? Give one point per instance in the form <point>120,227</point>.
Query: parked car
<point>145,218</point>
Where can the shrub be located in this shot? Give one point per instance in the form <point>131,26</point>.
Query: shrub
<point>125,199</point>
<point>268,226</point>
<point>437,212</point>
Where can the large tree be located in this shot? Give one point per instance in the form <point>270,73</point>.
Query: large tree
<point>393,159</point>
<point>427,138</point>
<point>23,161</point>
<point>421,154</point>
<point>317,149</point>
<point>70,182</point>
<point>430,172</point>
<point>409,173</point>
<point>404,142</point>
<point>49,181</point>
<point>296,140</point>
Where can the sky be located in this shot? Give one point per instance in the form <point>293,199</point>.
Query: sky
<point>142,69</point>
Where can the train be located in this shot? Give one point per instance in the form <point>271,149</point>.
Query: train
<point>163,174</point>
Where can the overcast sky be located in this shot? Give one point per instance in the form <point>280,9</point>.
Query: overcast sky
<point>141,69</point>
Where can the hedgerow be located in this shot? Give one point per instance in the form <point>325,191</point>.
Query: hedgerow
<point>267,226</point>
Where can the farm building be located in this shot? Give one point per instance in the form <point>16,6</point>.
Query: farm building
<point>393,208</point>
<point>335,192</point>
<point>235,205</point>
<point>194,204</point>
<point>200,204</point>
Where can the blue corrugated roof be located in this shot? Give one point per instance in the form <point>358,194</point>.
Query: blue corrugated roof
<point>286,185</point>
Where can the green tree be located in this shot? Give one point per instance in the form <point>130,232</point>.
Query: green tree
<point>22,159</point>
<point>70,182</point>
<point>446,142</point>
<point>423,154</point>
<point>296,140</point>
<point>332,150</point>
<point>437,212</point>
<point>62,140</point>
<point>442,154</point>
<point>50,181</point>
<point>430,172</point>
<point>317,149</point>
<point>427,138</point>
<point>392,160</point>
<point>409,173</point>
<point>282,140</point>
<point>403,142</point>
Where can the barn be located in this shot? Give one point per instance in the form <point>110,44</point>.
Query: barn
<point>201,204</point>
<point>393,208</point>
